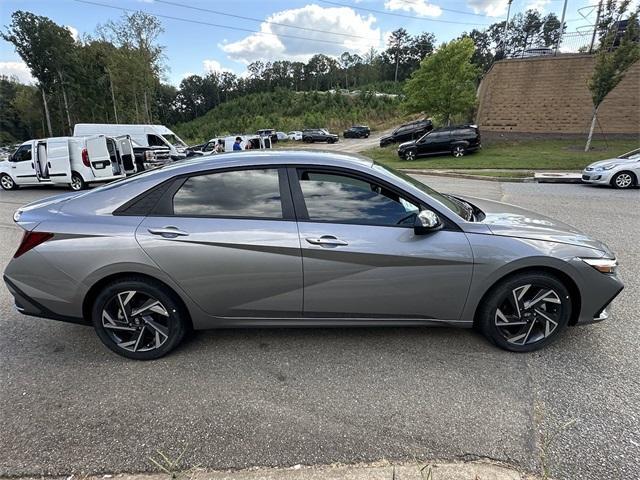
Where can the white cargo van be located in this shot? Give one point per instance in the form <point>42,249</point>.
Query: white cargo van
<point>73,161</point>
<point>145,135</point>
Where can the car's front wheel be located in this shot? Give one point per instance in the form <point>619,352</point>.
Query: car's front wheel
<point>7,183</point>
<point>138,318</point>
<point>525,312</point>
<point>410,155</point>
<point>458,151</point>
<point>623,180</point>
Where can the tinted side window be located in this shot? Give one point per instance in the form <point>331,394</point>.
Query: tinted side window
<point>23,154</point>
<point>155,141</point>
<point>339,198</point>
<point>241,193</point>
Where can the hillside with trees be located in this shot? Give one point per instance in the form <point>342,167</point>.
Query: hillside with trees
<point>118,74</point>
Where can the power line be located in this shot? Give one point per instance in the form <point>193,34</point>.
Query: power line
<point>413,2</point>
<point>217,25</point>
<point>401,15</point>
<point>175,4</point>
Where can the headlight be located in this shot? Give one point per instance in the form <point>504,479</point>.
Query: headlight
<point>603,265</point>
<point>606,167</point>
<point>149,155</point>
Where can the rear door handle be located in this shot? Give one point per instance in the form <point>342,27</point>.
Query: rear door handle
<point>328,240</point>
<point>168,232</point>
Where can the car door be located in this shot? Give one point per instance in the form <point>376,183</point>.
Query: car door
<point>58,160</point>
<point>99,157</point>
<point>362,258</point>
<point>229,239</point>
<point>23,169</point>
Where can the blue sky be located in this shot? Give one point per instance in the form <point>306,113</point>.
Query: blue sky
<point>329,27</point>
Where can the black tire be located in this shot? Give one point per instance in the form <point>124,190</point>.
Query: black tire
<point>171,326</point>
<point>458,151</point>
<point>410,155</point>
<point>7,183</point>
<point>534,326</point>
<point>77,182</point>
<point>623,180</point>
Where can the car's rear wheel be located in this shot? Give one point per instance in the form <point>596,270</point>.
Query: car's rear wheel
<point>623,180</point>
<point>138,318</point>
<point>7,183</point>
<point>458,151</point>
<point>525,312</point>
<point>77,182</point>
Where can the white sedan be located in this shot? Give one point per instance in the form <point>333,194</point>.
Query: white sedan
<point>295,135</point>
<point>620,172</point>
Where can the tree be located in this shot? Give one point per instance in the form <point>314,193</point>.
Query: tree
<point>613,61</point>
<point>398,48</point>
<point>444,85</point>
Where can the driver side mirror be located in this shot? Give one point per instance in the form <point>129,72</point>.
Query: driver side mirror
<point>426,222</point>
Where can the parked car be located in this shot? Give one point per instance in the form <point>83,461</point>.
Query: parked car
<point>407,131</point>
<point>312,135</point>
<point>71,161</point>
<point>619,172</point>
<point>144,135</point>
<point>295,135</point>
<point>300,238</point>
<point>357,131</point>
<point>282,136</point>
<point>268,132</point>
<point>457,141</point>
<point>149,157</point>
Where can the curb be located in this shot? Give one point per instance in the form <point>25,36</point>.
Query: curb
<point>469,176</point>
<point>473,470</point>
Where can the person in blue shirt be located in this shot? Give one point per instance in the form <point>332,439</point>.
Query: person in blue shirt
<point>236,144</point>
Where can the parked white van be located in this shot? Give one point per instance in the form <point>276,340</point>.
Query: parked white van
<point>145,135</point>
<point>72,161</point>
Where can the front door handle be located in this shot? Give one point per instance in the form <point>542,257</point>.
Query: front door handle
<point>168,232</point>
<point>328,240</point>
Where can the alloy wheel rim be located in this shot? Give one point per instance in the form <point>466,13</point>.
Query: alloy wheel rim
<point>411,155</point>
<point>75,183</point>
<point>623,180</point>
<point>6,182</point>
<point>136,321</point>
<point>528,314</point>
<point>458,152</point>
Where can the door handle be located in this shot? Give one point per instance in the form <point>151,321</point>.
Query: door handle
<point>168,232</point>
<point>328,240</point>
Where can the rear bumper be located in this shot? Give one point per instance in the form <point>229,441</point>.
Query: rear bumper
<point>28,306</point>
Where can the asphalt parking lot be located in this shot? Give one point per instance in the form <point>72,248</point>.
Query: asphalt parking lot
<point>240,398</point>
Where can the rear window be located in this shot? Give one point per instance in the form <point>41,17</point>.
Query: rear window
<point>241,193</point>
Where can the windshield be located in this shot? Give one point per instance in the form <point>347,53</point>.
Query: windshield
<point>455,205</point>
<point>632,155</point>
<point>174,140</point>
<point>324,130</point>
<point>423,136</point>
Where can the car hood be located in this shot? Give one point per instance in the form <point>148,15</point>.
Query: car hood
<point>407,144</point>
<point>511,221</point>
<point>611,160</point>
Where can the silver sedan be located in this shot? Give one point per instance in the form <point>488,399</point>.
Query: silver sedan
<point>292,238</point>
<point>619,172</point>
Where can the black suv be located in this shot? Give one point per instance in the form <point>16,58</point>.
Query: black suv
<point>357,131</point>
<point>456,140</point>
<point>311,135</point>
<point>407,131</point>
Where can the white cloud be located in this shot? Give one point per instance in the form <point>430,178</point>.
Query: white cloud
<point>17,70</point>
<point>419,7</point>
<point>491,8</point>
<point>537,5</point>
<point>275,44</point>
<point>210,66</point>
<point>73,31</point>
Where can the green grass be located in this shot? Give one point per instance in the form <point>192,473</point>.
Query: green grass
<point>508,154</point>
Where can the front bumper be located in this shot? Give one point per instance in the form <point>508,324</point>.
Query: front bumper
<point>597,292</point>
<point>599,178</point>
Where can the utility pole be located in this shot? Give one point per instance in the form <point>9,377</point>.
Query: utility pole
<point>113,96</point>
<point>595,27</point>
<point>564,11</point>
<point>506,24</point>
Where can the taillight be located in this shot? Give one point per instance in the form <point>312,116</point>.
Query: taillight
<point>31,240</point>
<point>85,158</point>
